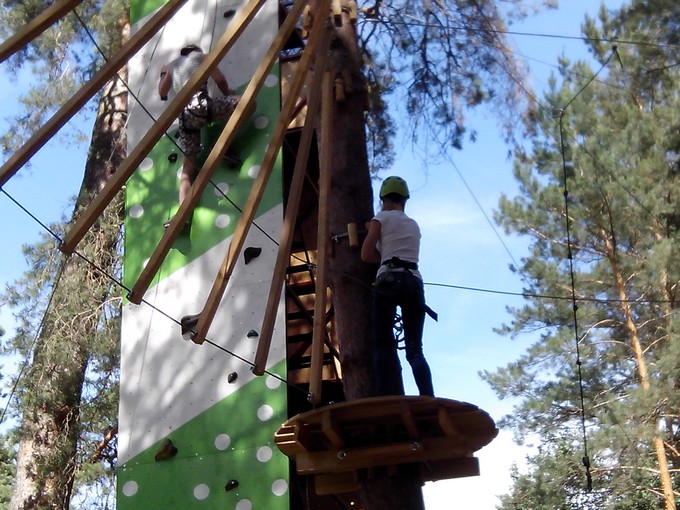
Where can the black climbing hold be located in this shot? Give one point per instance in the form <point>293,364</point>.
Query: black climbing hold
<point>252,334</point>
<point>250,253</point>
<point>166,451</point>
<point>172,157</point>
<point>188,324</point>
<point>231,485</point>
<point>232,377</point>
<point>229,13</point>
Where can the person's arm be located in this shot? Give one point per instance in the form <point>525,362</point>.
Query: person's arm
<point>220,81</point>
<point>164,83</point>
<point>369,250</point>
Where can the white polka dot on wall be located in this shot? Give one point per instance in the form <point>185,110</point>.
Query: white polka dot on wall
<point>146,164</point>
<point>222,442</point>
<point>272,382</point>
<point>201,491</point>
<point>244,504</point>
<point>264,454</point>
<point>279,487</point>
<point>261,122</point>
<point>271,81</point>
<point>265,412</point>
<point>222,221</point>
<point>136,211</point>
<point>253,171</point>
<point>130,488</point>
<point>221,189</point>
<point>146,261</point>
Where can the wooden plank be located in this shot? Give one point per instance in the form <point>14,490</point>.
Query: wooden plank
<point>36,26</point>
<point>349,459</point>
<point>460,467</point>
<point>301,376</point>
<point>409,422</point>
<point>80,98</point>
<point>332,430</point>
<point>447,425</point>
<point>288,228</point>
<point>288,70</point>
<point>228,133</point>
<point>335,483</point>
<point>323,237</point>
<point>250,208</point>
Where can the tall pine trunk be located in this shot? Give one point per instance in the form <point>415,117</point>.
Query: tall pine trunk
<point>47,459</point>
<point>351,202</point>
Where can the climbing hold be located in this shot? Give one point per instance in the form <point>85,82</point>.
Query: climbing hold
<point>232,377</point>
<point>231,485</point>
<point>166,451</point>
<point>172,157</point>
<point>252,334</point>
<point>229,13</point>
<point>188,324</point>
<point>250,253</point>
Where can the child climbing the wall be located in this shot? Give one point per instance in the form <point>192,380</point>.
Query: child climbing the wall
<point>201,110</point>
<point>393,240</point>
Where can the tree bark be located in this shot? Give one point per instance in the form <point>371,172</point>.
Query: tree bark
<point>351,201</point>
<point>47,459</point>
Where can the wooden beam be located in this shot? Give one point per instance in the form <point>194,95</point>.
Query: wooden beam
<point>323,239</point>
<point>289,220</point>
<point>80,98</point>
<point>256,192</point>
<point>351,459</point>
<point>332,430</point>
<point>36,26</point>
<point>116,181</point>
<point>409,422</point>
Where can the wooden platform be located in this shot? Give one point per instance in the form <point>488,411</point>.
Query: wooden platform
<point>342,442</point>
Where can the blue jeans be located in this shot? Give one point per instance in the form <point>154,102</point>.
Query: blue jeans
<point>402,289</point>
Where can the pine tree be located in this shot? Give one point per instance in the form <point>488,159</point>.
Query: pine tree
<point>68,389</point>
<point>612,150</point>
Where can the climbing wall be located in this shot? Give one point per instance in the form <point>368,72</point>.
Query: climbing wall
<point>202,398</point>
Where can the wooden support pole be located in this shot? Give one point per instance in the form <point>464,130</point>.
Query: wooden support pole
<point>323,240</point>
<point>256,192</point>
<point>290,217</point>
<point>78,100</point>
<point>35,27</point>
<point>97,206</point>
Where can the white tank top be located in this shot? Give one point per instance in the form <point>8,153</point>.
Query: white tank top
<point>399,237</point>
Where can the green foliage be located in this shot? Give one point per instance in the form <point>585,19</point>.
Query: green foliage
<point>7,468</point>
<point>611,146</point>
<point>56,64</point>
<point>442,58</point>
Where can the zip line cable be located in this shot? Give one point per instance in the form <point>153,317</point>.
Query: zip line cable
<point>491,30</point>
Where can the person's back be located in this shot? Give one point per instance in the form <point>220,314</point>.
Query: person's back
<point>393,241</point>
<point>183,68</point>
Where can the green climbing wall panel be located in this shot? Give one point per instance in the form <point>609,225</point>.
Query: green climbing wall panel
<point>219,416</point>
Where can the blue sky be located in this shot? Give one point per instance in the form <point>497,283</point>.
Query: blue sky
<point>459,248</point>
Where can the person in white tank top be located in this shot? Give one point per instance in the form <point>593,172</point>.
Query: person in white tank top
<point>393,241</point>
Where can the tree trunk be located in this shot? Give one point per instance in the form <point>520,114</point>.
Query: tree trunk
<point>47,459</point>
<point>351,202</point>
<point>643,375</point>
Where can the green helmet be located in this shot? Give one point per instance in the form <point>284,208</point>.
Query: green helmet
<point>394,184</point>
